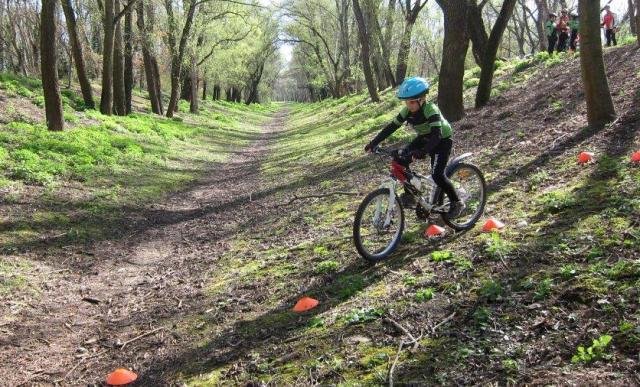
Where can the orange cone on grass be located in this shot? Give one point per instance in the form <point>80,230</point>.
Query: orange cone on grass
<point>304,304</point>
<point>121,376</point>
<point>585,157</point>
<point>492,224</point>
<point>433,231</point>
<point>635,157</point>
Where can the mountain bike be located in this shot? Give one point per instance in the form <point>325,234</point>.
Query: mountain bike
<point>380,219</point>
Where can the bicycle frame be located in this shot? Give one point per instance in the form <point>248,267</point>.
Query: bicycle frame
<point>428,205</point>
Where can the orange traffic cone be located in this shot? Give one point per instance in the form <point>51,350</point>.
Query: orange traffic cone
<point>433,231</point>
<point>121,376</point>
<point>492,224</point>
<point>635,157</point>
<point>585,157</point>
<point>305,304</point>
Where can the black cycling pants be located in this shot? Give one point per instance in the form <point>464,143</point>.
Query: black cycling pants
<point>439,159</point>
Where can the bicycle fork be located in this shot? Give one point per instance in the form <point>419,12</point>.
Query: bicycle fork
<point>391,186</point>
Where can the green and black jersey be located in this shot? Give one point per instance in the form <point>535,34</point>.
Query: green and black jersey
<point>550,27</point>
<point>428,121</point>
<point>574,24</point>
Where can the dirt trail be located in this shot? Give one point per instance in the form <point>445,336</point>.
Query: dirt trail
<point>73,333</point>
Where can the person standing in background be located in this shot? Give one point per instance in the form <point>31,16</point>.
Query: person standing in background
<point>609,24</point>
<point>574,25</point>
<point>563,30</point>
<point>552,33</point>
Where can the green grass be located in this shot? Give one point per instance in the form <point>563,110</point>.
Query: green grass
<point>111,161</point>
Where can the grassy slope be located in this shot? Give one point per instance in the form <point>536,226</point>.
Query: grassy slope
<point>564,272</point>
<point>80,184</point>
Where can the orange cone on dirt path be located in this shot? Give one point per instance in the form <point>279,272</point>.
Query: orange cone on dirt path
<point>433,231</point>
<point>121,376</point>
<point>635,157</point>
<point>492,224</point>
<point>585,157</point>
<point>304,304</point>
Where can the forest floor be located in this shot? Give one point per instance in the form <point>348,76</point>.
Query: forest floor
<point>197,286</point>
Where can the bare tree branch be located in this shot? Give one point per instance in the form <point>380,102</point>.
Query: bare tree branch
<point>124,11</point>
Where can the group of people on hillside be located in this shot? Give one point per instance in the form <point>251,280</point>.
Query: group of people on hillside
<point>566,28</point>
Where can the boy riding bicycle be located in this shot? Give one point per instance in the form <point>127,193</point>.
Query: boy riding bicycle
<point>434,139</point>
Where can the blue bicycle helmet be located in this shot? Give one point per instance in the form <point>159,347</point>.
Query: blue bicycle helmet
<point>413,88</point>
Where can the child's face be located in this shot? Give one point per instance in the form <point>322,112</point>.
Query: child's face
<point>413,104</point>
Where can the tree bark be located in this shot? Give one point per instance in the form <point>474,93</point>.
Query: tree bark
<point>177,51</point>
<point>185,88</point>
<point>193,76</point>
<point>600,109</point>
<point>637,2</point>
<point>403,52</point>
<point>543,16</point>
<point>78,57</point>
<point>128,60</point>
<point>491,50</point>
<point>3,65</point>
<point>455,46</point>
<point>204,88</point>
<point>149,70</point>
<point>118,67</point>
<point>477,32</point>
<point>364,51</point>
<point>106,99</point>
<point>48,66</point>
<point>377,59</point>
<point>379,41</point>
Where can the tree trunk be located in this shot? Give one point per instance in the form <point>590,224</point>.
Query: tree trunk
<point>106,99</point>
<point>364,52</point>
<point>149,70</point>
<point>118,67</point>
<point>477,32</point>
<point>185,89</point>
<point>158,82</point>
<point>3,65</point>
<point>491,50</point>
<point>403,52</point>
<point>600,109</point>
<point>255,82</point>
<point>388,29</point>
<point>78,57</point>
<point>48,66</point>
<point>204,87</point>
<point>455,46</point>
<point>343,20</point>
<point>194,106</point>
<point>638,20</point>
<point>543,15</point>
<point>177,52</point>
<point>128,60</point>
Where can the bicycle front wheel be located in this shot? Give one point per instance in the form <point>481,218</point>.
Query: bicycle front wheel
<point>378,225</point>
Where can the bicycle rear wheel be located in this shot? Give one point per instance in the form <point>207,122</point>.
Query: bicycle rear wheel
<point>378,225</point>
<point>471,187</point>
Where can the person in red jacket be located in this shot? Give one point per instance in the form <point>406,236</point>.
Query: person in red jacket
<point>563,30</point>
<point>609,24</point>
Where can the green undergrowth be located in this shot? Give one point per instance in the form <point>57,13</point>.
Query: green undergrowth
<point>100,164</point>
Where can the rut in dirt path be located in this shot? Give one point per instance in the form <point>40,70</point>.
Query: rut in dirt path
<point>142,285</point>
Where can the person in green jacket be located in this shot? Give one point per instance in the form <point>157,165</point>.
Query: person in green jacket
<point>552,33</point>
<point>433,138</point>
<point>574,25</point>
